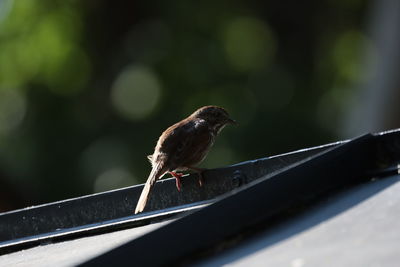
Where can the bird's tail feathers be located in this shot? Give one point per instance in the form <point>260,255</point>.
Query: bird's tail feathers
<point>157,171</point>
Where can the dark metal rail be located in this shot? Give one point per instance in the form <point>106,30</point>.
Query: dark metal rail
<point>113,210</point>
<point>334,168</point>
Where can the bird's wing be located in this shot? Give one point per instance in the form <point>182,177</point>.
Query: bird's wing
<point>183,143</point>
<point>178,142</point>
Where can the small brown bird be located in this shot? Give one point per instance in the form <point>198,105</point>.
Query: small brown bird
<point>184,145</point>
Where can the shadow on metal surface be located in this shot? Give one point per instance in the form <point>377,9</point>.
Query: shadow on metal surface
<point>303,221</point>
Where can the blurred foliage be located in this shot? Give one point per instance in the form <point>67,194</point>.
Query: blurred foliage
<point>86,87</point>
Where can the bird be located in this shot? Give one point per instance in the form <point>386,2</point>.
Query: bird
<point>184,145</point>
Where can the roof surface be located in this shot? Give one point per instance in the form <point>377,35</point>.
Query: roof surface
<point>355,228</point>
<point>73,252</point>
<point>334,205</point>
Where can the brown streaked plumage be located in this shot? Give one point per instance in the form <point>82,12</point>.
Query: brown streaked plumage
<point>184,145</point>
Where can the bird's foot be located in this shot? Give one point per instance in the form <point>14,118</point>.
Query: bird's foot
<point>201,180</point>
<point>177,179</point>
<point>199,172</point>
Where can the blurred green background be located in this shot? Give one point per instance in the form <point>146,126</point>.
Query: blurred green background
<point>86,87</point>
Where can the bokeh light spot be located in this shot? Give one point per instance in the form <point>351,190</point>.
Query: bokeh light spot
<point>348,53</point>
<point>113,179</point>
<point>12,110</point>
<point>136,92</point>
<point>103,154</point>
<point>43,45</point>
<point>249,43</point>
<point>5,7</point>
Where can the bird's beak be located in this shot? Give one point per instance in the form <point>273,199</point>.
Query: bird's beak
<point>231,121</point>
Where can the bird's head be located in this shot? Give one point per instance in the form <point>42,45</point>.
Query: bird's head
<point>216,116</point>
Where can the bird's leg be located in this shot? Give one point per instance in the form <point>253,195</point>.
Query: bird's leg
<point>177,179</point>
<point>199,172</point>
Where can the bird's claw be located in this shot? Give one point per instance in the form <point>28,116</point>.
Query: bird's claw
<point>178,184</point>
<point>201,180</point>
<point>177,180</point>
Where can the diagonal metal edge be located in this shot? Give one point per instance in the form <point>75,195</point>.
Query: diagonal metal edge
<point>266,197</point>
<point>103,227</point>
<point>117,204</point>
<point>272,164</point>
